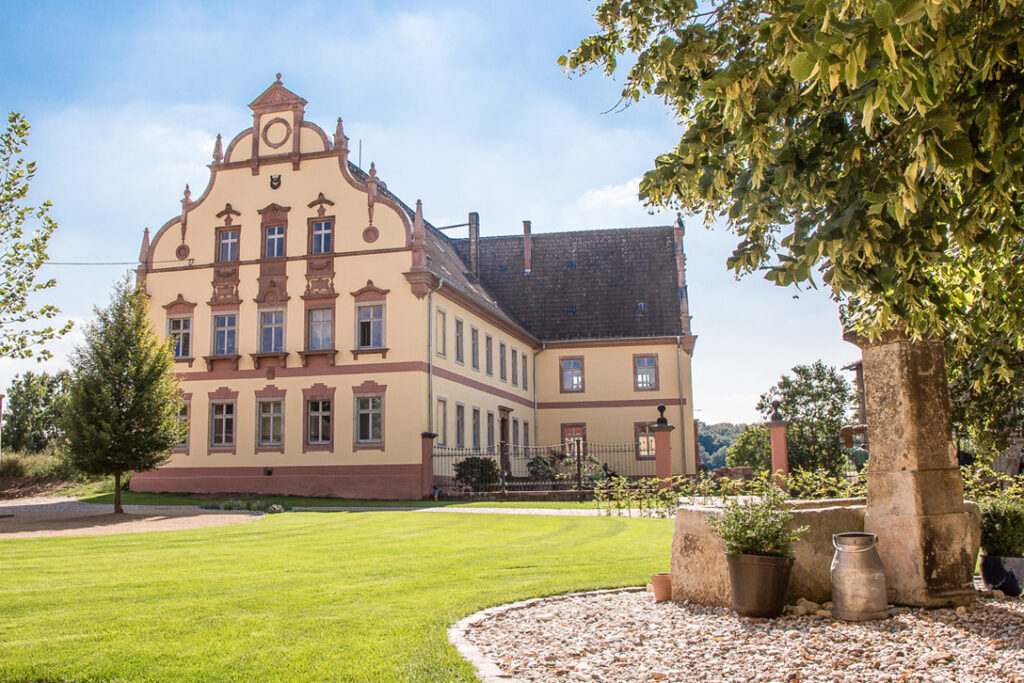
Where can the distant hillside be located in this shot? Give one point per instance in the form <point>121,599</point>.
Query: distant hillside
<point>714,440</point>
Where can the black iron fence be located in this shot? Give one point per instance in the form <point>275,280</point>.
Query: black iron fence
<point>506,468</point>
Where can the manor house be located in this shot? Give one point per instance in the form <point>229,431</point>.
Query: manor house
<point>328,338</point>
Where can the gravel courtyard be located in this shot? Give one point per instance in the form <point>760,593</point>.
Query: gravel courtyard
<point>627,637</point>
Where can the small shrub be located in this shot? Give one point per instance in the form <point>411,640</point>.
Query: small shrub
<point>757,526</point>
<point>1002,526</point>
<point>477,472</point>
<point>209,506</point>
<point>12,466</point>
<point>275,509</point>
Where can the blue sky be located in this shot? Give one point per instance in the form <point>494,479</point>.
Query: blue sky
<point>460,104</point>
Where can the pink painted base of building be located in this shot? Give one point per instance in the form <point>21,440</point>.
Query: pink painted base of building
<point>387,482</point>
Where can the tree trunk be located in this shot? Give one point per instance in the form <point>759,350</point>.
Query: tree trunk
<point>117,493</point>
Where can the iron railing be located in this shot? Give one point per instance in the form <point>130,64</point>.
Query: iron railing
<point>508,468</point>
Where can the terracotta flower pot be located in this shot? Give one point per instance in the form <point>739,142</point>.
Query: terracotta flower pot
<point>759,584</point>
<point>1003,573</point>
<point>662,584</point>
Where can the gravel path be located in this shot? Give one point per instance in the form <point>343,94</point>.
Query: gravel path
<point>627,637</point>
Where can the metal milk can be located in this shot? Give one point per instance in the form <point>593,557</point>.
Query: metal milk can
<point>858,578</point>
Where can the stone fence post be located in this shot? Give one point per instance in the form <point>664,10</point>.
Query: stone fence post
<point>780,458</point>
<point>662,447</point>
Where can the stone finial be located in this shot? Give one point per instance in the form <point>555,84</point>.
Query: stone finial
<point>218,151</point>
<point>419,239</point>
<point>340,139</point>
<point>776,413</point>
<point>371,191</point>
<point>188,195</point>
<point>662,420</point>
<point>278,77</point>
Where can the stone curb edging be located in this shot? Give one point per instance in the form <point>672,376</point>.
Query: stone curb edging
<point>487,670</point>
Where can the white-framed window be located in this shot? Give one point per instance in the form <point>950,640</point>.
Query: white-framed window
<point>273,242</point>
<point>224,333</point>
<point>489,355</point>
<point>502,365</point>
<point>269,422</point>
<point>222,424</point>
<point>227,245</point>
<point>459,349</point>
<point>370,334</point>
<point>474,347</point>
<point>460,425</point>
<point>526,384</point>
<point>572,374</point>
<point>441,422</point>
<point>515,367</point>
<point>320,326</point>
<point>271,331</point>
<point>318,422</point>
<point>180,332</point>
<point>476,429</point>
<point>369,419</point>
<point>441,333</point>
<point>321,239</point>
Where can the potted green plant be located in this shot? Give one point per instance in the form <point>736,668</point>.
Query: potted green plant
<point>757,539</point>
<point>1002,544</point>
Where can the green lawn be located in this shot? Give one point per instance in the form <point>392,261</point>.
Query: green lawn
<point>133,498</point>
<point>362,596</point>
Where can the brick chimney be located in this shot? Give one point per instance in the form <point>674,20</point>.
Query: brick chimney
<point>527,248</point>
<point>474,242</point>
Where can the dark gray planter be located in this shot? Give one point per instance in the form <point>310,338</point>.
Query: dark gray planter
<point>1003,574</point>
<point>759,584</point>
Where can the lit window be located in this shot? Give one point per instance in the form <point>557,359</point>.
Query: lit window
<point>645,372</point>
<point>369,419</point>
<point>320,320</point>
<point>271,331</point>
<point>572,374</point>
<point>441,422</point>
<point>574,439</point>
<point>274,242</point>
<point>502,366</point>
<point>318,422</point>
<point>644,441</point>
<point>180,331</point>
<point>459,352</point>
<point>227,245</point>
<point>371,326</point>
<point>224,334</point>
<point>222,427</point>
<point>474,348</point>
<point>460,426</point>
<point>270,422</point>
<point>489,354</point>
<point>322,237</point>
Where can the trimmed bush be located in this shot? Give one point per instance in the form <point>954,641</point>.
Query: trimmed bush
<point>1002,526</point>
<point>477,472</point>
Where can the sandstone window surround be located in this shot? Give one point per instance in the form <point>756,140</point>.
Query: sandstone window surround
<point>321,236</point>
<point>273,241</point>
<point>645,372</point>
<point>441,421</point>
<point>226,250</point>
<point>515,437</point>
<point>223,338</point>
<point>644,439</point>
<point>489,355</point>
<point>370,321</point>
<point>320,331</point>
<point>441,332</point>
<point>460,351</point>
<point>368,416</point>
<point>474,348</point>
<point>272,337</point>
<point>179,328</point>
<point>570,370</point>
<point>502,362</point>
<point>460,425</point>
<point>270,413</point>
<point>515,367</point>
<point>476,429</point>
<point>526,436</point>
<point>318,418</point>
<point>526,383</point>
<point>490,431</point>
<point>223,414</point>
<point>183,416</point>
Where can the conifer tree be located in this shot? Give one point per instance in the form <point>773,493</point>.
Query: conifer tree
<point>123,401</point>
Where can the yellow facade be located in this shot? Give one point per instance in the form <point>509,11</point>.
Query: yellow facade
<point>242,283</point>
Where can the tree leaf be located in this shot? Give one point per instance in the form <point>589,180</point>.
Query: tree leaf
<point>802,66</point>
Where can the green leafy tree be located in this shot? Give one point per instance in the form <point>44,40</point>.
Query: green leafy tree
<point>24,250</point>
<point>878,145</point>
<point>752,448</point>
<point>123,398</point>
<point>31,418</point>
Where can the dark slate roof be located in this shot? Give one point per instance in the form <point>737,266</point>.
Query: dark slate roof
<point>587,284</point>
